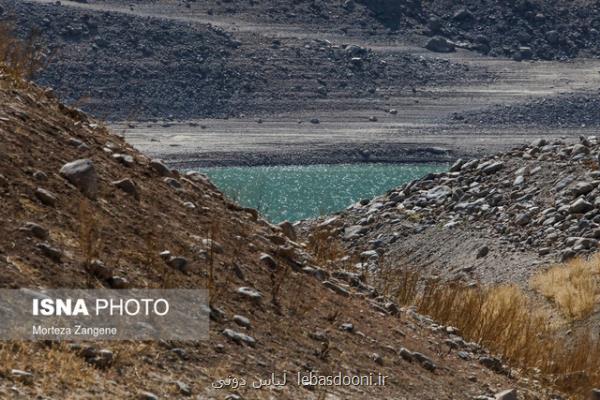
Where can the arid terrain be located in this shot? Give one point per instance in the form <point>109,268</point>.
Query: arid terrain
<point>478,283</point>
<point>372,86</point>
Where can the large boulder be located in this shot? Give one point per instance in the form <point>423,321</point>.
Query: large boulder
<point>82,174</point>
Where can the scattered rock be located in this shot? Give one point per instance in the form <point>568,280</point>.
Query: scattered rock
<point>268,261</point>
<point>250,293</point>
<point>51,252</point>
<point>128,186</point>
<point>239,338</point>
<point>82,174</point>
<point>482,252</point>
<point>35,230</point>
<point>160,168</point>
<point>510,394</point>
<point>241,321</point>
<point>45,197</point>
<point>580,206</point>
<point>143,395</point>
<point>439,44</point>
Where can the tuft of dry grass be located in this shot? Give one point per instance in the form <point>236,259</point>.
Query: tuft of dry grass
<point>574,287</point>
<point>325,246</point>
<point>507,322</point>
<point>20,59</point>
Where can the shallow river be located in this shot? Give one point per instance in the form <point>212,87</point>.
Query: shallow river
<point>298,192</point>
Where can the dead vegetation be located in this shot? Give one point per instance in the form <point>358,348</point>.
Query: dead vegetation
<point>21,59</point>
<point>506,321</point>
<point>574,288</point>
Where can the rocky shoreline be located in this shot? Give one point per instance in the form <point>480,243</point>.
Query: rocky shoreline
<point>539,201</point>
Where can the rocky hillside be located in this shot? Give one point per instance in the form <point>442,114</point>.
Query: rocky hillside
<point>567,110</point>
<point>82,209</point>
<point>494,219</point>
<point>121,66</point>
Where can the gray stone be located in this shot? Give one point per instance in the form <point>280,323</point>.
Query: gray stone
<point>581,188</point>
<point>118,282</point>
<point>143,395</point>
<point>160,167</point>
<point>23,376</point>
<point>595,394</point>
<point>522,219</point>
<point>457,165</point>
<point>438,193</point>
<point>35,230</point>
<point>184,388</point>
<point>82,174</point>
<point>439,44</point>
<point>519,180</point>
<point>336,288</point>
<point>268,261</point>
<point>51,252</point>
<point>354,231</point>
<point>347,327</point>
<point>580,206</point>
<point>491,363</point>
<point>406,354</point>
<point>45,197</point>
<point>579,149</point>
<point>124,159</point>
<point>250,293</point>
<point>174,183</point>
<point>492,168</point>
<point>241,321</point>
<point>239,338</point>
<point>98,269</point>
<point>40,176</point>
<point>510,394</point>
<point>482,252</point>
<point>179,263</point>
<point>128,186</point>
<point>539,143</point>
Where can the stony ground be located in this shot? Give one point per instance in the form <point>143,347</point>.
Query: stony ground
<point>127,66</point>
<point>494,219</point>
<point>563,111</point>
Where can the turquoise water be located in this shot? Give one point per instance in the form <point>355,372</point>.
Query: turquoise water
<point>298,192</point>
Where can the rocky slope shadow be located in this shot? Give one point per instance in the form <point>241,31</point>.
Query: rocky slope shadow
<point>82,209</point>
<point>563,111</point>
<point>122,67</point>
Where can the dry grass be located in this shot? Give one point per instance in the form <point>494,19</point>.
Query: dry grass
<point>20,59</point>
<point>574,287</point>
<point>53,367</point>
<point>504,320</point>
<point>325,247</point>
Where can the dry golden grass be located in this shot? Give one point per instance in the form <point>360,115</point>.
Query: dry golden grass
<point>507,322</point>
<point>52,368</point>
<point>574,287</point>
